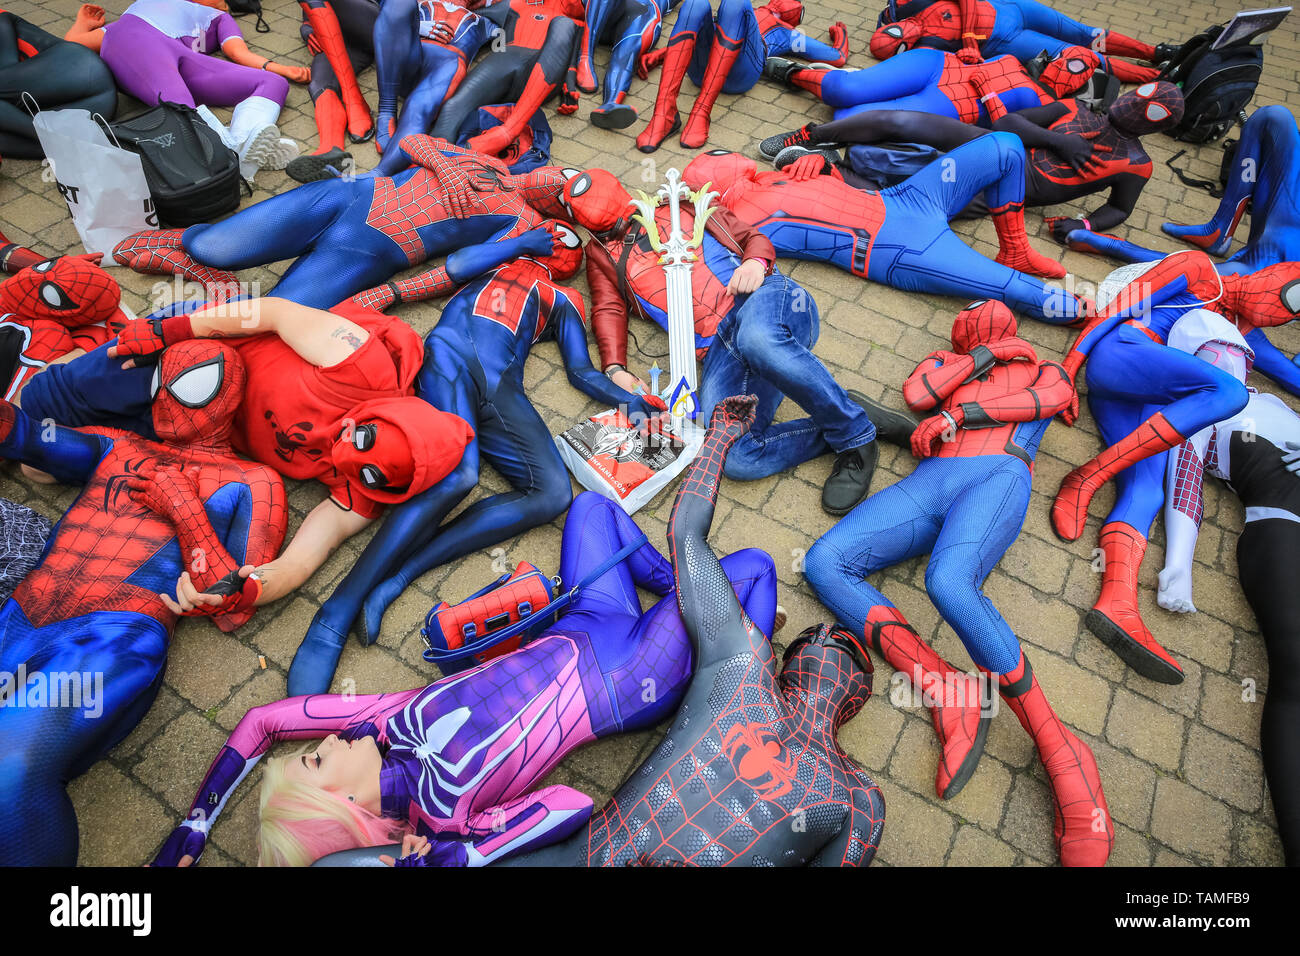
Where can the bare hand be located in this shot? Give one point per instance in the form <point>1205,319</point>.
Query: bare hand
<point>628,382</point>
<point>294,74</point>
<point>747,278</point>
<point>411,843</point>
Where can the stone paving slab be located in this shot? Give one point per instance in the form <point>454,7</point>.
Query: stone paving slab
<point>1181,764</point>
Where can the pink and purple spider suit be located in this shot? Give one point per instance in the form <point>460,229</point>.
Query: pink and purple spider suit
<point>463,756</point>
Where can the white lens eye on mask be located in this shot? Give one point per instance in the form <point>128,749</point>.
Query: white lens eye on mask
<point>1156,113</point>
<point>196,387</point>
<point>1291,297</point>
<point>1146,90</point>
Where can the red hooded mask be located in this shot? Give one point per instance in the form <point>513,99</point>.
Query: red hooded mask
<point>981,323</point>
<point>597,200</point>
<point>69,290</point>
<point>394,448</point>
<point>197,388</point>
<point>1069,71</point>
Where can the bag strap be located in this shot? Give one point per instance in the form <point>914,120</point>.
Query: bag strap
<point>104,124</point>
<point>1214,189</point>
<point>29,101</point>
<point>550,612</point>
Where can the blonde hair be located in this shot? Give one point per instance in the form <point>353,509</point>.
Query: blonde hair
<point>300,822</point>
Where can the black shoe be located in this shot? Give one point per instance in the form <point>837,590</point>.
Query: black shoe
<point>618,116</point>
<point>850,479</point>
<point>332,165</point>
<point>770,147</point>
<point>830,157</point>
<point>892,425</point>
<point>779,68</point>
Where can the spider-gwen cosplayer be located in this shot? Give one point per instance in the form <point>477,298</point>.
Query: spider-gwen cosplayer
<point>630,28</point>
<point>540,40</point>
<point>51,312</point>
<point>460,761</point>
<point>750,772</point>
<point>900,236</point>
<point>95,606</point>
<point>1264,178</point>
<point>726,55</point>
<point>350,235</point>
<point>931,81</point>
<point>474,369</point>
<point>1072,150</point>
<point>975,29</point>
<point>989,402</point>
<point>1149,398</point>
<point>58,75</point>
<point>754,327</point>
<point>423,49</point>
<point>1255,452</point>
<point>165,50</point>
<point>339,34</point>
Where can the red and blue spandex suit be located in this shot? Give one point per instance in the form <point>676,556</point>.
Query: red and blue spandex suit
<point>474,367</point>
<point>90,612</point>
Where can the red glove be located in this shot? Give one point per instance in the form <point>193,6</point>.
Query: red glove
<point>806,167</point>
<point>145,339</point>
<point>378,298</point>
<point>1070,414</point>
<point>650,61</point>
<point>1010,349</point>
<point>933,429</point>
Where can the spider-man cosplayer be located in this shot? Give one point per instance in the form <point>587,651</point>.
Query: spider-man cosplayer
<point>726,55</point>
<point>974,29</point>
<point>462,758</point>
<point>630,28</point>
<point>750,772</point>
<point>23,534</point>
<point>1264,179</point>
<point>1149,398</point>
<point>339,34</point>
<point>900,236</point>
<point>474,369</point>
<point>350,235</point>
<point>57,75</point>
<point>989,402</point>
<point>931,81</point>
<point>758,340</point>
<point>92,608</point>
<point>53,310</point>
<point>1255,452</point>
<point>1072,150</point>
<point>423,49</point>
<point>166,50</point>
<point>540,40</point>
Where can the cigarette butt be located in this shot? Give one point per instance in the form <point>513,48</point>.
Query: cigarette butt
<point>261,659</point>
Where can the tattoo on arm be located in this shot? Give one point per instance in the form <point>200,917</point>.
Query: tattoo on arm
<point>346,335</point>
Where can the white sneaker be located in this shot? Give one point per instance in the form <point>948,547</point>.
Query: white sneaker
<point>267,149</point>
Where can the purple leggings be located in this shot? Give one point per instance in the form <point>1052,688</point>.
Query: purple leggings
<point>152,66</point>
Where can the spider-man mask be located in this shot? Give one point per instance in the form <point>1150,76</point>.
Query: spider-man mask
<point>894,38</point>
<point>1070,71</point>
<point>197,387</point>
<point>982,323</point>
<point>393,448</point>
<point>829,662</point>
<point>1265,298</point>
<point>1151,108</point>
<point>69,289</point>
<point>564,261</point>
<point>597,200</point>
<point>720,169</point>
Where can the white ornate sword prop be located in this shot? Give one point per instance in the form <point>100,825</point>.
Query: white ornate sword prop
<point>677,254</point>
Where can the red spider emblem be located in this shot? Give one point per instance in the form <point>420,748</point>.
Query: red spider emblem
<point>759,759</point>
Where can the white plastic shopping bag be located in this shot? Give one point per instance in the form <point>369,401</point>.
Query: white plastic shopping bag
<point>610,455</point>
<point>103,185</point>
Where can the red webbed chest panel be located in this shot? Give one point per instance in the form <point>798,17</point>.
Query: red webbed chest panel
<point>106,537</point>
<point>1001,380</point>
<point>647,280</point>
<point>521,298</point>
<point>1125,156</point>
<point>1001,74</point>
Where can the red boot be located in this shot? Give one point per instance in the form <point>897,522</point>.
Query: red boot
<point>721,59</point>
<point>953,698</point>
<point>1115,618</point>
<point>1070,510</point>
<point>1083,828</point>
<point>1117,44</point>
<point>328,36</point>
<point>840,40</point>
<point>159,252</point>
<point>331,122</point>
<point>665,121</point>
<point>1127,72</point>
<point>536,91</point>
<point>1014,250</point>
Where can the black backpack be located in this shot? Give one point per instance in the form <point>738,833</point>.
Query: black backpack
<point>1217,85</point>
<point>239,8</point>
<point>192,175</point>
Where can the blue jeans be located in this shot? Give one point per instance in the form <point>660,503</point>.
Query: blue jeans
<point>764,347</point>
